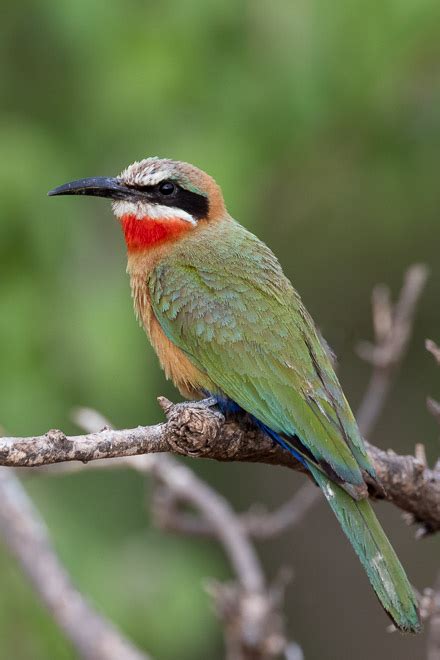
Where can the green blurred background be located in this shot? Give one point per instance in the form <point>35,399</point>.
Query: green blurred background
<point>321,121</point>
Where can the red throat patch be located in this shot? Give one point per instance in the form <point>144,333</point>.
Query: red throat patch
<point>141,234</point>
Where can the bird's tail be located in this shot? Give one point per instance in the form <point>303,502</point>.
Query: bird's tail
<point>377,556</point>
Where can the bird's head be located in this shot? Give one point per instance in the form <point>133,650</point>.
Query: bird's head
<point>156,200</point>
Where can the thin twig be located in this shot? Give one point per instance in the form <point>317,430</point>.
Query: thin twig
<point>433,405</point>
<point>257,523</point>
<point>392,328</point>
<point>251,611</point>
<point>432,347</point>
<point>184,484</point>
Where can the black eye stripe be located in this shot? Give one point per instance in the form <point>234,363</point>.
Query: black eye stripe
<point>193,203</point>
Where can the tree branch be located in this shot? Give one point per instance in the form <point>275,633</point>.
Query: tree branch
<point>257,522</point>
<point>249,609</point>
<point>197,429</point>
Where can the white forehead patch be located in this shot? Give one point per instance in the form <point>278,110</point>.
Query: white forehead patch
<point>151,179</point>
<point>154,211</point>
<point>140,174</point>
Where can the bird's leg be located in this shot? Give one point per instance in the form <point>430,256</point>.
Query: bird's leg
<point>201,404</point>
<point>208,402</point>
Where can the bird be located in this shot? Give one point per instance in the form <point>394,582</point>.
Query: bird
<point>227,323</point>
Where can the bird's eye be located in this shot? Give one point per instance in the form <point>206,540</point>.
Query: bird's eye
<point>167,188</point>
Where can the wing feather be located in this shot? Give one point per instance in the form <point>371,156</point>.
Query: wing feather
<point>240,321</point>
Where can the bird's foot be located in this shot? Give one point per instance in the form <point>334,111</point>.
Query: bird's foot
<point>201,404</point>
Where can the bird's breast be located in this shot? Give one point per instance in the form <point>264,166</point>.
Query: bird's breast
<point>189,380</point>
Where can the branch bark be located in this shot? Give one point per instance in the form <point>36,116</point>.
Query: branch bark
<point>198,429</point>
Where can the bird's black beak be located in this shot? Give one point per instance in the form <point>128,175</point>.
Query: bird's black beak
<point>99,186</point>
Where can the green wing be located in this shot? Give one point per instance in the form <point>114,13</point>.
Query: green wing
<point>227,305</point>
<point>240,321</point>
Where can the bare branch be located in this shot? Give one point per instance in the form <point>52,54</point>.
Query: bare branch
<point>409,484</point>
<point>392,328</point>
<point>184,484</point>
<point>433,407</point>
<point>257,522</point>
<point>432,347</point>
<point>26,535</point>
<point>250,610</point>
<point>55,447</point>
<point>199,430</point>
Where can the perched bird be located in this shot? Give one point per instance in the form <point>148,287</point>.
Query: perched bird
<point>226,322</point>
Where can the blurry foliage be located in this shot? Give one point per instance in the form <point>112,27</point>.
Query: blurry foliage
<point>321,121</point>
